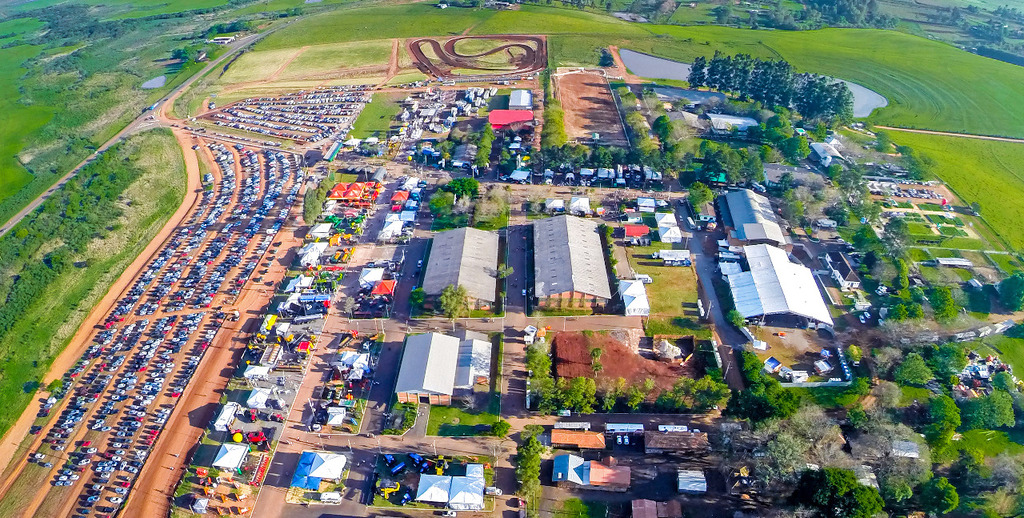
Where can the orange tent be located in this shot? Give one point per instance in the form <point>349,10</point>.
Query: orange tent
<point>384,288</point>
<point>400,196</point>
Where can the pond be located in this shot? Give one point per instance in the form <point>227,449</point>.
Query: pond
<point>156,82</point>
<point>644,65</point>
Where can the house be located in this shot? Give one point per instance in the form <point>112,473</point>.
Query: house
<point>842,271</point>
<point>729,125</point>
<point>634,298</point>
<point>824,154</point>
<point>574,472</point>
<point>705,214</point>
<point>520,100</point>
<point>569,262</point>
<point>749,219</point>
<point>466,257</point>
<point>777,290</point>
<point>501,119</point>
<point>634,231</point>
<point>682,443</point>
<point>578,439</point>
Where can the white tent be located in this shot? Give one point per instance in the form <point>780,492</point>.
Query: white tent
<point>309,255</point>
<point>353,142</point>
<point>579,205</point>
<point>774,285</point>
<point>634,298</point>
<point>670,235</point>
<point>520,175</point>
<point>369,277</point>
<point>467,493</point>
<point>298,283</point>
<point>258,398</point>
<point>552,204</point>
<point>391,230</point>
<point>353,360</point>
<point>336,415</point>
<point>328,465</point>
<point>433,489</point>
<point>256,371</point>
<point>321,230</point>
<point>230,456</point>
<point>665,219</point>
<point>407,215</point>
<point>645,204</point>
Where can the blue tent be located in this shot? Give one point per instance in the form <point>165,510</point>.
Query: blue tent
<point>301,477</point>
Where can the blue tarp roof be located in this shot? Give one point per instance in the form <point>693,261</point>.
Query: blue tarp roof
<point>301,477</point>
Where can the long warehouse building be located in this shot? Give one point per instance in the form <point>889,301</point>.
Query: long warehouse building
<point>569,263</point>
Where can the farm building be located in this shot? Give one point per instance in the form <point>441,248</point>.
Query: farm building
<point>573,471</point>
<point>465,257</point>
<point>954,262</point>
<point>427,372</point>
<point>842,271</point>
<point>578,439</point>
<point>824,154</point>
<point>687,443</point>
<point>726,125</point>
<point>634,298</point>
<point>520,100</point>
<point>435,366</point>
<point>569,263</point>
<point>316,466</point>
<point>776,289</point>
<point>749,219</point>
<point>501,119</point>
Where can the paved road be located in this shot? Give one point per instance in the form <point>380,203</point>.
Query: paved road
<point>142,122</point>
<point>730,340</point>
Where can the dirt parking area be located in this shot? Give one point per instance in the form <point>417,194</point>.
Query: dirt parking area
<point>589,108</point>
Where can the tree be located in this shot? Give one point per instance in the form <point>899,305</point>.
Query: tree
<point>735,318</point>
<point>784,456</point>
<point>854,353</point>
<point>835,493</point>
<point>944,418</point>
<point>943,304</point>
<point>504,270</point>
<point>348,305</point>
<point>500,428</point>
<point>699,194</point>
<point>55,385</point>
<point>1011,292</point>
<point>528,467</point>
<point>441,203</point>
<point>895,237</point>
<point>463,187</point>
<point>454,301</point>
<point>913,371</point>
<point>992,411</point>
<point>595,354</point>
<point>1004,381</point>
<point>939,496</point>
<point>417,297</point>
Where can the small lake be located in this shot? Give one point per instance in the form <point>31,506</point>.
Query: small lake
<point>156,82</point>
<point>644,65</point>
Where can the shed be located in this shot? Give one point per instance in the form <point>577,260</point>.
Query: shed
<point>691,481</point>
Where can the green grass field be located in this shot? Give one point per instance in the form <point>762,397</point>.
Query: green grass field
<point>16,120</point>
<point>983,171</point>
<point>452,421</point>
<point>376,117</point>
<point>323,59</point>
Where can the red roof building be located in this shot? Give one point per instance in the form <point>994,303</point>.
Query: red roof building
<point>636,230</point>
<point>502,118</point>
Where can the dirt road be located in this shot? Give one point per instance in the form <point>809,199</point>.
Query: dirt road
<point>950,134</point>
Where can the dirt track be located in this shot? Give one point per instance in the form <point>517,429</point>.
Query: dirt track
<point>534,59</point>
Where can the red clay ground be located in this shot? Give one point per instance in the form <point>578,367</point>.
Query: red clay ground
<point>572,359</point>
<point>533,60</point>
<point>589,107</point>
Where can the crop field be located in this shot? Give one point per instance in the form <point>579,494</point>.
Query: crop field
<point>980,171</point>
<point>335,60</point>
<point>258,66</point>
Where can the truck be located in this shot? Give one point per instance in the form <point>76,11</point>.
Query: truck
<point>529,334</point>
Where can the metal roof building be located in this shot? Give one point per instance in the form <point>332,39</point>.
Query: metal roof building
<point>634,298</point>
<point>520,100</point>
<point>751,219</point>
<point>568,258</point>
<point>467,257</point>
<point>428,369</point>
<point>776,286</point>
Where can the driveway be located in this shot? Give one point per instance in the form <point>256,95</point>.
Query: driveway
<point>730,340</point>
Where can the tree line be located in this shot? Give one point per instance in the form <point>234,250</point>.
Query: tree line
<point>774,83</point>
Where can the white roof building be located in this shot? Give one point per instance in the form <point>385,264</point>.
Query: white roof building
<point>751,218</point>
<point>776,286</point>
<point>369,277</point>
<point>634,298</point>
<point>552,205</point>
<point>691,481</point>
<point>665,219</point>
<point>226,417</point>
<point>392,229</point>
<point>721,123</point>
<point>520,100</point>
<point>579,205</point>
<point>230,456</point>
<point>336,415</point>
<point>474,363</point>
<point>309,255</point>
<point>467,493</point>
<point>824,153</point>
<point>256,371</point>
<point>330,466</point>
<point>428,365</point>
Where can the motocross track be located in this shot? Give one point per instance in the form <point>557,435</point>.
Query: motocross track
<point>533,60</point>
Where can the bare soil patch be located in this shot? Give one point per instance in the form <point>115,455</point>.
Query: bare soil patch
<point>589,108</point>
<point>572,359</point>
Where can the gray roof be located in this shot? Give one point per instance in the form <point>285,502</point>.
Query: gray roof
<point>474,362</point>
<point>568,257</point>
<point>520,98</point>
<point>752,217</point>
<point>428,364</point>
<point>464,256</point>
